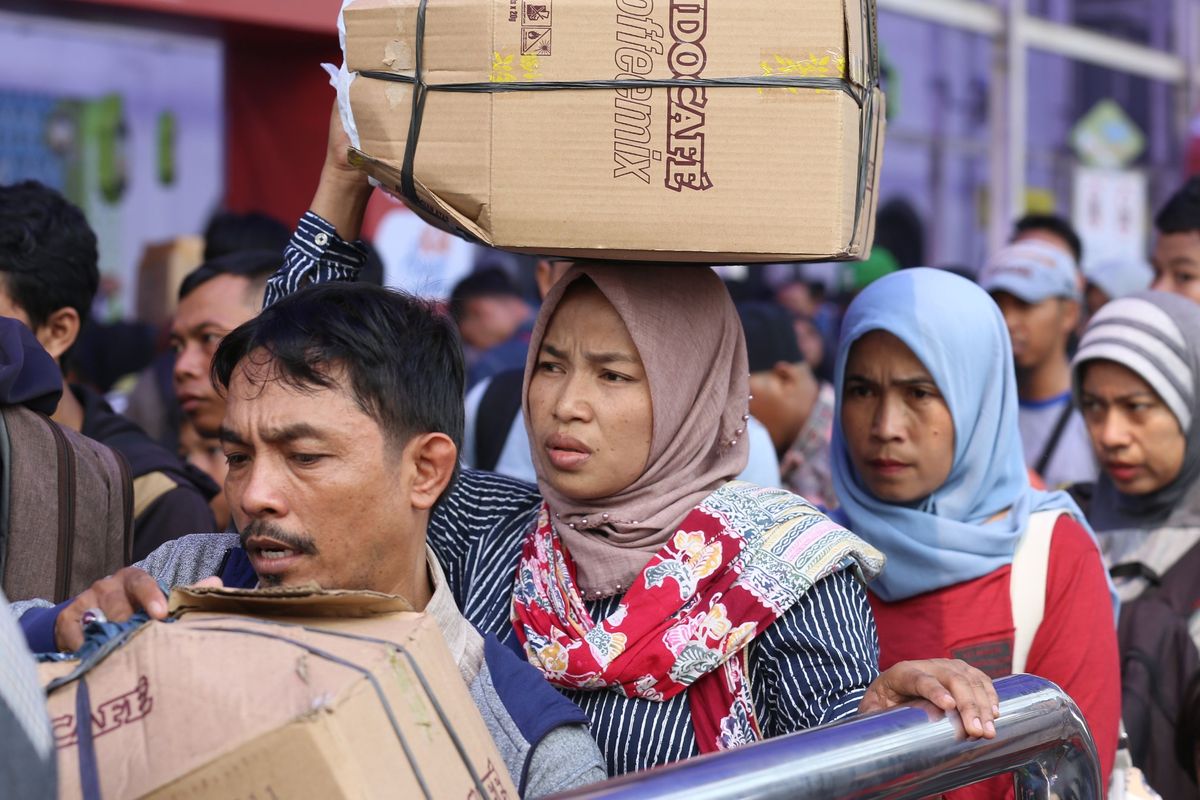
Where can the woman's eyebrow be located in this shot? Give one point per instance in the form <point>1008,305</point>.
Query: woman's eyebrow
<point>610,358</point>
<point>915,380</point>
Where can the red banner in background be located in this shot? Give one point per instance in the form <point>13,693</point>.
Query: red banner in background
<point>316,16</point>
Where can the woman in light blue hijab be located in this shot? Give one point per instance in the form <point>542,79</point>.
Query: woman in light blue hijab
<point>928,467</point>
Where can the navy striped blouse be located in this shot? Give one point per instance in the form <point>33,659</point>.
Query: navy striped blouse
<point>810,667</point>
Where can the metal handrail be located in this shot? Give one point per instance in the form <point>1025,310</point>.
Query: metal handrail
<point>911,751</point>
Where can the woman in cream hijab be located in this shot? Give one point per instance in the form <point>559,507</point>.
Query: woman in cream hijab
<point>683,612</point>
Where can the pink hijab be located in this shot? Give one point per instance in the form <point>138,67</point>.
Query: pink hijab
<point>690,339</point>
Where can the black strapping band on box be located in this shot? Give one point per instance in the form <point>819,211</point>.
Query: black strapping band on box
<point>862,96</point>
<point>366,673</point>
<point>412,662</point>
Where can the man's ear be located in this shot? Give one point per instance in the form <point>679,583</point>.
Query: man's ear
<point>434,458</point>
<point>1070,316</point>
<point>59,332</point>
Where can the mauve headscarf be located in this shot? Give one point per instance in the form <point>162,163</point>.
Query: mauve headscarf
<point>687,331</point>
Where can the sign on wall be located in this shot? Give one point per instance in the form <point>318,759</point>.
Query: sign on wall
<point>127,122</point>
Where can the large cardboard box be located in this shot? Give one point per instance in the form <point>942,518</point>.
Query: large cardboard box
<point>279,694</point>
<point>666,130</point>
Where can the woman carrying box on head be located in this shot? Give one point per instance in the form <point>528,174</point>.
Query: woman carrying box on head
<point>684,613</point>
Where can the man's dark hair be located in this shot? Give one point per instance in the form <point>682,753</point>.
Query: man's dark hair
<point>228,232</point>
<point>1052,223</point>
<point>1181,214</point>
<point>47,252</point>
<point>490,282</point>
<point>254,265</point>
<point>402,356</point>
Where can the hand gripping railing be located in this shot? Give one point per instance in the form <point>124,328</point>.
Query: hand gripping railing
<point>911,751</point>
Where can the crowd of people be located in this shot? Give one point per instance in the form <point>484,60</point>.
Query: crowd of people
<point>650,521</point>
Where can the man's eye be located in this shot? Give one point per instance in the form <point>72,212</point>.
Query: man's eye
<point>306,459</point>
<point>615,377</point>
<point>236,459</point>
<point>548,366</point>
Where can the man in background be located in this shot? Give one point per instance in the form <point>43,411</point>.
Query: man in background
<point>495,322</point>
<point>1177,252</point>
<point>214,299</point>
<point>791,402</point>
<point>1037,286</point>
<point>48,279</point>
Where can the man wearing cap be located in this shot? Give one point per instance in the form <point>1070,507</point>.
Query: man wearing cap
<point>1037,286</point>
<point>787,398</point>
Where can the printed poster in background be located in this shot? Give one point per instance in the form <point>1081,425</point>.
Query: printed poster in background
<point>1109,210</point>
<point>127,122</point>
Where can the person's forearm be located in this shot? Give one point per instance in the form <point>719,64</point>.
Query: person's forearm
<point>341,199</point>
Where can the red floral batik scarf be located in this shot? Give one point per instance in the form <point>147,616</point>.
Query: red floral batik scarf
<point>686,621</point>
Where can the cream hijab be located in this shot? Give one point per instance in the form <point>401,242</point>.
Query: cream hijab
<point>690,339</point>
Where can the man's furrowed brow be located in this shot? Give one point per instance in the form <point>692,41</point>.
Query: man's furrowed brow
<point>290,433</point>
<point>227,436</point>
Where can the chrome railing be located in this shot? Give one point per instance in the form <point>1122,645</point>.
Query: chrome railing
<point>911,751</point>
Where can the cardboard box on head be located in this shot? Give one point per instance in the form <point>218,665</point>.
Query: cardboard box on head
<point>275,694</point>
<point>647,130</point>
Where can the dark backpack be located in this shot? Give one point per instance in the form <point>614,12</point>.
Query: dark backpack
<point>1159,660</point>
<point>66,508</point>
<point>498,409</point>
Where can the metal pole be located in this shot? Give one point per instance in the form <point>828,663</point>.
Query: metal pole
<point>908,752</point>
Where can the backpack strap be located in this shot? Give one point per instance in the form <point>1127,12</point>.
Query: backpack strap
<point>5,494</point>
<point>1052,443</point>
<point>498,408</point>
<point>1027,583</point>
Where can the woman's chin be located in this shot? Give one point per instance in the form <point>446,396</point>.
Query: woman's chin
<point>577,486</point>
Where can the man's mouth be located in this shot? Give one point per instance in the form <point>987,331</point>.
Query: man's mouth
<point>189,401</point>
<point>275,552</point>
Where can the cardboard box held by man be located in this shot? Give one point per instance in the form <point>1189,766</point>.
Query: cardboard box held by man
<point>276,693</point>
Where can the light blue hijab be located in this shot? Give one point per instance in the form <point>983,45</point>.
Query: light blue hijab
<point>958,333</point>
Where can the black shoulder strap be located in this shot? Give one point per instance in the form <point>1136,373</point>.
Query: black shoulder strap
<point>5,493</point>
<point>497,409</point>
<point>1052,443</point>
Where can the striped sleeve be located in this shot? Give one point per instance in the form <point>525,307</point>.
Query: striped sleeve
<point>476,531</point>
<point>315,254</point>
<point>815,663</point>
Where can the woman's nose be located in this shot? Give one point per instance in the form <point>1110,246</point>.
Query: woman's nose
<point>1115,431</point>
<point>887,423</point>
<point>572,403</point>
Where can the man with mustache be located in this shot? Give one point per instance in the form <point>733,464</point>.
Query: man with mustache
<point>342,424</point>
